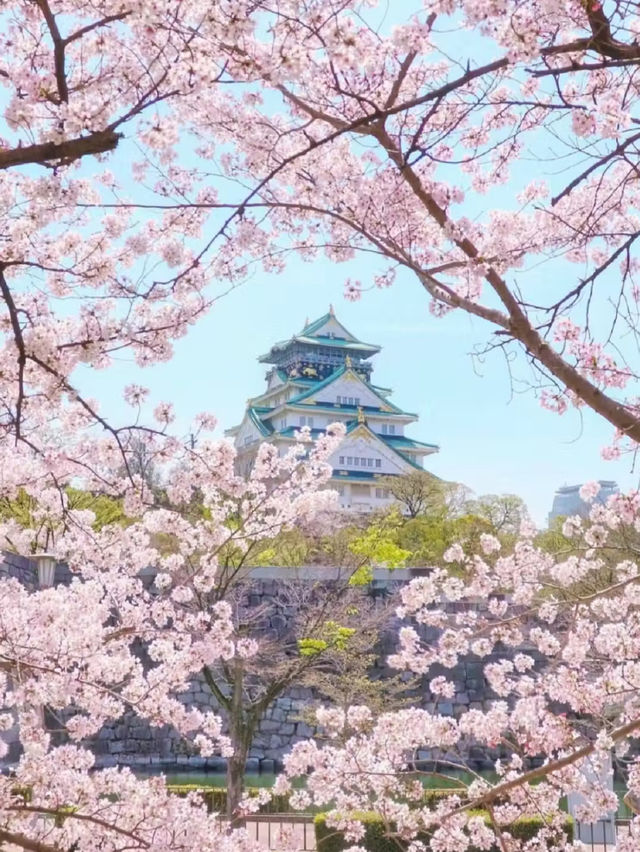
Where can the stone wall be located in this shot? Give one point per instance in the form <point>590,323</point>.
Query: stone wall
<point>130,741</point>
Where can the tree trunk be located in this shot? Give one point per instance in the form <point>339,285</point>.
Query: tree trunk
<point>235,772</point>
<point>241,733</point>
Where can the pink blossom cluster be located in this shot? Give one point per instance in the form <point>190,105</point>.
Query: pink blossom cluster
<point>559,642</point>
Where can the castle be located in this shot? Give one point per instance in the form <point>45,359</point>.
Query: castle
<point>319,376</point>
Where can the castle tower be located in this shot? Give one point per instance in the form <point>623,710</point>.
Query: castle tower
<point>320,376</point>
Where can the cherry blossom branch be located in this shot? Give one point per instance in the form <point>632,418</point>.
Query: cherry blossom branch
<point>26,842</point>
<point>19,342</point>
<point>58,49</point>
<point>65,152</point>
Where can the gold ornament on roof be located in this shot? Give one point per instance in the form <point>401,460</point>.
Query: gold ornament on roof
<point>347,362</point>
<point>360,415</point>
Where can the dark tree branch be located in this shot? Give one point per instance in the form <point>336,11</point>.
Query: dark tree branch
<point>64,152</point>
<point>19,342</point>
<point>58,50</point>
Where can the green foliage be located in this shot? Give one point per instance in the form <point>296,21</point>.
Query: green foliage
<point>427,538</point>
<point>311,647</point>
<point>289,549</point>
<point>377,546</point>
<point>362,576</point>
<point>504,512</point>
<point>422,493</point>
<point>339,636</point>
<point>378,839</point>
<point>25,511</point>
<point>333,636</point>
<point>108,510</point>
<point>553,541</point>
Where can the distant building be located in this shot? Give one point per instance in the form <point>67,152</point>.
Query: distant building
<point>567,500</point>
<point>319,376</point>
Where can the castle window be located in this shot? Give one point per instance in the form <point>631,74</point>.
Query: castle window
<point>356,461</point>
<point>349,460</point>
<point>350,400</point>
<point>378,462</point>
<point>341,460</point>
<point>392,429</point>
<point>357,400</point>
<point>283,423</point>
<point>384,428</point>
<point>369,462</point>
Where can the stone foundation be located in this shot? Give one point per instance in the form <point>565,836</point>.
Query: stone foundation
<point>131,741</point>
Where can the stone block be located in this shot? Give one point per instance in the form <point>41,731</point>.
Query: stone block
<point>252,766</point>
<point>272,754</point>
<point>303,730</point>
<point>216,764</point>
<point>257,753</point>
<point>267,766</point>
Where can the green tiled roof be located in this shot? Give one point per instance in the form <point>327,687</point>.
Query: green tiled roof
<point>316,325</point>
<point>325,340</point>
<point>290,431</point>
<point>254,415</point>
<point>308,336</point>
<point>320,408</point>
<point>364,349</point>
<point>336,375</point>
<point>401,442</point>
<point>357,475</point>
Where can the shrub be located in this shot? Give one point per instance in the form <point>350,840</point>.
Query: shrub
<point>376,839</point>
<point>215,798</point>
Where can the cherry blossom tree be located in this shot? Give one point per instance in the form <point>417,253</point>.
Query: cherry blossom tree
<point>549,720</point>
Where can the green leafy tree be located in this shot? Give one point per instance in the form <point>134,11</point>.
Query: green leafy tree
<point>427,538</point>
<point>504,512</point>
<point>26,512</point>
<point>421,493</point>
<point>349,674</point>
